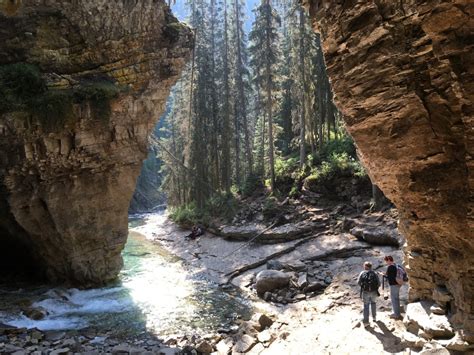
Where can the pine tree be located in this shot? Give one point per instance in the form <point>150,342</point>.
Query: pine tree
<point>265,54</point>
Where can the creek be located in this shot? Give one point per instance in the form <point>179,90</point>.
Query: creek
<point>156,292</point>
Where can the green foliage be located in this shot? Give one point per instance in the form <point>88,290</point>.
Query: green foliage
<point>344,145</point>
<point>53,109</point>
<point>339,164</point>
<point>186,215</point>
<point>219,205</point>
<point>20,84</point>
<point>98,94</point>
<point>23,89</point>
<point>270,208</point>
<point>251,183</point>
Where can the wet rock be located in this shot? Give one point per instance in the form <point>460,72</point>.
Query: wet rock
<point>60,351</point>
<point>268,280</point>
<point>35,313</point>
<point>204,347</point>
<point>244,344</point>
<point>168,351</point>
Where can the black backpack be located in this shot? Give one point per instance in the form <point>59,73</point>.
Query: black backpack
<point>369,281</point>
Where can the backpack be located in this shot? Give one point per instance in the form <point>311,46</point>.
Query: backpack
<point>369,281</point>
<point>402,276</point>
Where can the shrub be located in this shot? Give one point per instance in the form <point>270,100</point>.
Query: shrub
<point>186,215</point>
<point>54,109</point>
<point>20,84</point>
<point>98,94</point>
<point>221,205</point>
<point>251,183</point>
<point>22,88</point>
<point>270,208</point>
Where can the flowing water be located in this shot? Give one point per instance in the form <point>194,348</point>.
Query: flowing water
<point>156,293</point>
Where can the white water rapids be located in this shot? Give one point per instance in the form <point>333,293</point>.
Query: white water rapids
<point>156,293</point>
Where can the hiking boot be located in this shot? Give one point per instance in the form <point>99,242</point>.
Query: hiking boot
<point>394,316</point>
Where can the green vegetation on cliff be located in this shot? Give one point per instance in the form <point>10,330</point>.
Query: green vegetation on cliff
<point>23,89</point>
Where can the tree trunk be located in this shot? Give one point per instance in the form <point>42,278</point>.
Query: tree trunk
<point>303,90</point>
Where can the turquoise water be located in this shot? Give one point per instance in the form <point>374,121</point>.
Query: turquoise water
<point>156,293</point>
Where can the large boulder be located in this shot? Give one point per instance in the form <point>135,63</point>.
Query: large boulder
<point>418,316</point>
<point>269,280</point>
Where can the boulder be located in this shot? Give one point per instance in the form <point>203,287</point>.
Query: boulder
<point>204,347</point>
<point>263,320</point>
<point>35,313</point>
<point>419,316</point>
<point>269,280</point>
<point>315,287</point>
<point>376,235</point>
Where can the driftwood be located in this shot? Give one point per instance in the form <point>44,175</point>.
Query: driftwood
<point>263,261</point>
<point>339,253</point>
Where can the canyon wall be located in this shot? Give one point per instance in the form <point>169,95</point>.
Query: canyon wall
<point>402,73</point>
<point>96,75</point>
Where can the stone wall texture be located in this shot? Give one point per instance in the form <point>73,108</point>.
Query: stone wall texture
<point>402,73</point>
<point>64,195</point>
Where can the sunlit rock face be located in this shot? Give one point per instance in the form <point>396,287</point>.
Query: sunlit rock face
<point>402,72</point>
<point>65,192</point>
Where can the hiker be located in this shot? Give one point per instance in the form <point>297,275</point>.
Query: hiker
<point>195,232</point>
<point>395,286</point>
<point>369,283</point>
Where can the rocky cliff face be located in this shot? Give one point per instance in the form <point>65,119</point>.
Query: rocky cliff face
<point>402,72</point>
<point>90,80</point>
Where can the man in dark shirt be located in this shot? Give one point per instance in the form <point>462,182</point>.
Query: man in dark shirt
<point>391,276</point>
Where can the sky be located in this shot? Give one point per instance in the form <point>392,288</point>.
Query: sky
<point>180,12</point>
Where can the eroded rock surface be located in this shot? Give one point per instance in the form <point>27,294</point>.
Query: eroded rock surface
<point>64,193</point>
<point>402,73</point>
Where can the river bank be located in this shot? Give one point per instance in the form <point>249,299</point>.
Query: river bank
<point>293,320</point>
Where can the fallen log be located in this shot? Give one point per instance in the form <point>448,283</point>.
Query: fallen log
<point>241,270</point>
<point>337,254</point>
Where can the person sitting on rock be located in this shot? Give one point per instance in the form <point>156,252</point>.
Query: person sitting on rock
<point>195,232</point>
<point>369,283</point>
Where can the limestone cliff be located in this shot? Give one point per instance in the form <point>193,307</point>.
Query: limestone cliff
<point>402,72</point>
<point>90,80</point>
